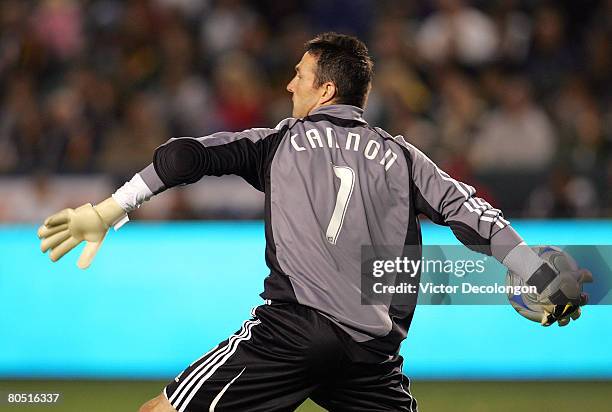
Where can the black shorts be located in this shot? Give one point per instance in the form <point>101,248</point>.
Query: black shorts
<point>284,354</point>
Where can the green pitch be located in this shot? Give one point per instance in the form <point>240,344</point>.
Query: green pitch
<point>120,396</point>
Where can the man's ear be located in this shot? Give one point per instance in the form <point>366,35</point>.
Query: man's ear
<point>329,93</point>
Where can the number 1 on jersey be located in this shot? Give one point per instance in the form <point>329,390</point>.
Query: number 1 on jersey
<point>347,182</point>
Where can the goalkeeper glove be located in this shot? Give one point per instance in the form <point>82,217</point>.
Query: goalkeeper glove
<point>64,230</point>
<point>563,296</point>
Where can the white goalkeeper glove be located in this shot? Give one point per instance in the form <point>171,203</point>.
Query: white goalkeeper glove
<point>65,230</point>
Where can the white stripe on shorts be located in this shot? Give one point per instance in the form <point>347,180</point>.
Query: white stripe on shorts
<point>179,393</point>
<point>215,401</point>
<point>216,365</point>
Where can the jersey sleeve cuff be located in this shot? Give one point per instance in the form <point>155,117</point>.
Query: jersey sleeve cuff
<point>523,261</point>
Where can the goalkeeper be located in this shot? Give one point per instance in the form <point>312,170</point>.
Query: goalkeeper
<point>332,183</point>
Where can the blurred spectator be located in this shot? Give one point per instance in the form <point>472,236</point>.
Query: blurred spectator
<point>515,29</point>
<point>239,92</point>
<point>66,144</point>
<point>191,9</point>
<point>457,32</point>
<point>347,16</point>
<point>400,88</point>
<point>223,28</point>
<point>458,114</point>
<point>563,195</point>
<point>21,127</point>
<point>581,128</point>
<point>58,24</point>
<point>599,59</point>
<point>92,87</point>
<point>130,145</point>
<point>518,136</point>
<point>549,51</point>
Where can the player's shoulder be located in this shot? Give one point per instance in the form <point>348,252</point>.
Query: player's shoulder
<point>413,153</point>
<point>286,123</point>
<point>398,139</point>
<point>261,133</point>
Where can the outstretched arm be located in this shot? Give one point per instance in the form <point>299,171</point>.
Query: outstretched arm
<point>483,228</point>
<point>179,161</point>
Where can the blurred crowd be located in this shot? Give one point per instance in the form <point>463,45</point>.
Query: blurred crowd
<point>510,96</point>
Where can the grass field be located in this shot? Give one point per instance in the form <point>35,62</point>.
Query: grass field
<point>119,396</point>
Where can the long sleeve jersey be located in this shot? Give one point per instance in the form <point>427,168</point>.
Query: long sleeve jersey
<point>333,183</point>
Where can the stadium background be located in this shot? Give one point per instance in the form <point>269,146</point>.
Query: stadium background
<point>510,96</point>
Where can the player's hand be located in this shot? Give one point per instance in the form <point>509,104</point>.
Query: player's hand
<point>567,287</point>
<point>65,230</point>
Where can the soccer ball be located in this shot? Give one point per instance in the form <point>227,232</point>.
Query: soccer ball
<point>529,305</point>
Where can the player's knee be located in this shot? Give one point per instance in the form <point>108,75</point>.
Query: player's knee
<point>157,404</point>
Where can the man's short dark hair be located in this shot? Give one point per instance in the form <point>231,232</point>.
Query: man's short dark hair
<point>344,61</point>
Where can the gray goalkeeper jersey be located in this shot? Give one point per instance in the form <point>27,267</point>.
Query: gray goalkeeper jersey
<point>333,183</point>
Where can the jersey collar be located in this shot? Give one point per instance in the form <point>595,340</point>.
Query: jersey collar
<point>342,111</point>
